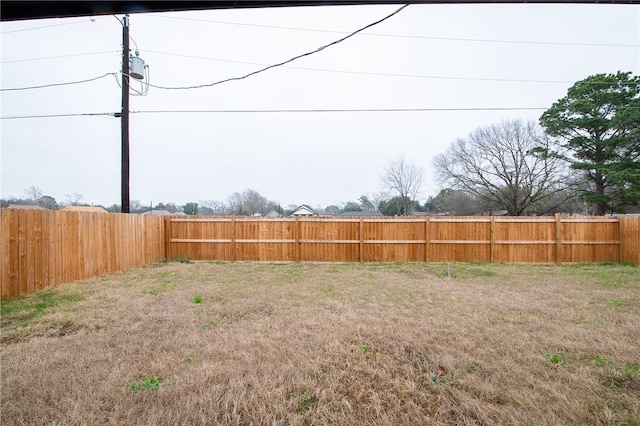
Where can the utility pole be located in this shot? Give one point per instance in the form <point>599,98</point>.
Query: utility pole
<point>125,202</point>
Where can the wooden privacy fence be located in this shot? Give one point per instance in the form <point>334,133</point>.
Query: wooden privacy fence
<point>45,248</point>
<point>412,239</point>
<point>39,249</point>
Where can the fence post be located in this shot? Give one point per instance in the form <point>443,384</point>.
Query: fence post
<point>233,238</point>
<point>558,239</point>
<point>298,234</point>
<point>167,235</point>
<point>426,238</point>
<point>360,236</point>
<point>492,239</point>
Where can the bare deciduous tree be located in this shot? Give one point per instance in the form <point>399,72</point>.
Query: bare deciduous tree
<point>508,165</point>
<point>33,193</point>
<point>74,198</point>
<point>403,179</point>
<point>214,207</point>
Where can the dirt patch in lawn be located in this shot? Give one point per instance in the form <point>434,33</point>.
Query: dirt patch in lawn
<point>292,344</point>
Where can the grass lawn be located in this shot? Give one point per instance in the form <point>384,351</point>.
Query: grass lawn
<point>291,344</point>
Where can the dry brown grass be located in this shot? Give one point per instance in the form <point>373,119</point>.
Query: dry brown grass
<point>330,344</point>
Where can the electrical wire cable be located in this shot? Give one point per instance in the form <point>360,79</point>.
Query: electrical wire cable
<point>293,111</point>
<point>50,26</point>
<point>332,110</point>
<point>59,84</point>
<point>73,55</point>
<point>438,77</point>
<point>288,60</point>
<point>475,40</point>
<point>84,114</point>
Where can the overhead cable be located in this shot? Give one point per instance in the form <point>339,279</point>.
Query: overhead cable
<point>474,40</point>
<point>330,110</point>
<point>49,26</point>
<point>59,57</point>
<point>84,114</point>
<point>288,60</point>
<point>291,111</point>
<point>60,84</point>
<point>439,77</point>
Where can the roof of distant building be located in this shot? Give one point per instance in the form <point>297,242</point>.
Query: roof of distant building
<point>25,207</point>
<point>363,213</point>
<point>85,209</point>
<point>164,213</point>
<point>303,210</point>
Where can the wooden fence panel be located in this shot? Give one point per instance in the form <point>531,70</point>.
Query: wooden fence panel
<point>629,233</point>
<point>329,240</point>
<point>518,241</point>
<point>590,240</point>
<point>393,241</point>
<point>40,249</point>
<point>460,239</point>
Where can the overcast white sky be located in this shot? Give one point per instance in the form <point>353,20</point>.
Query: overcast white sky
<point>292,158</point>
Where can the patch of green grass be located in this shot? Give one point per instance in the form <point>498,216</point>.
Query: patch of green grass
<point>24,310</point>
<point>495,320</point>
<point>303,399</point>
<point>197,299</point>
<point>178,259</point>
<point>368,350</point>
<point>465,270</point>
<point>613,303</point>
<point>190,358</point>
<point>555,358</point>
<point>632,371</point>
<point>339,267</point>
<point>161,288</point>
<point>598,361</point>
<point>213,322</point>
<point>148,383</point>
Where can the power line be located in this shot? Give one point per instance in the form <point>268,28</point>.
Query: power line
<point>474,40</point>
<point>73,55</point>
<point>84,114</point>
<point>331,110</point>
<point>60,84</point>
<point>288,60</point>
<point>292,111</point>
<point>50,26</point>
<point>439,77</point>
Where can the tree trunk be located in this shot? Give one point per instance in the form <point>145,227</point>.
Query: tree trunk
<point>601,205</point>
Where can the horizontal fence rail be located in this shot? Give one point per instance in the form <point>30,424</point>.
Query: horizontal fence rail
<point>39,249</point>
<point>425,239</point>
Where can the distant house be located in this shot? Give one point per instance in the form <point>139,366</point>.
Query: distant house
<point>272,213</point>
<point>25,207</point>
<point>84,209</point>
<point>304,210</point>
<point>364,213</point>
<point>163,213</point>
